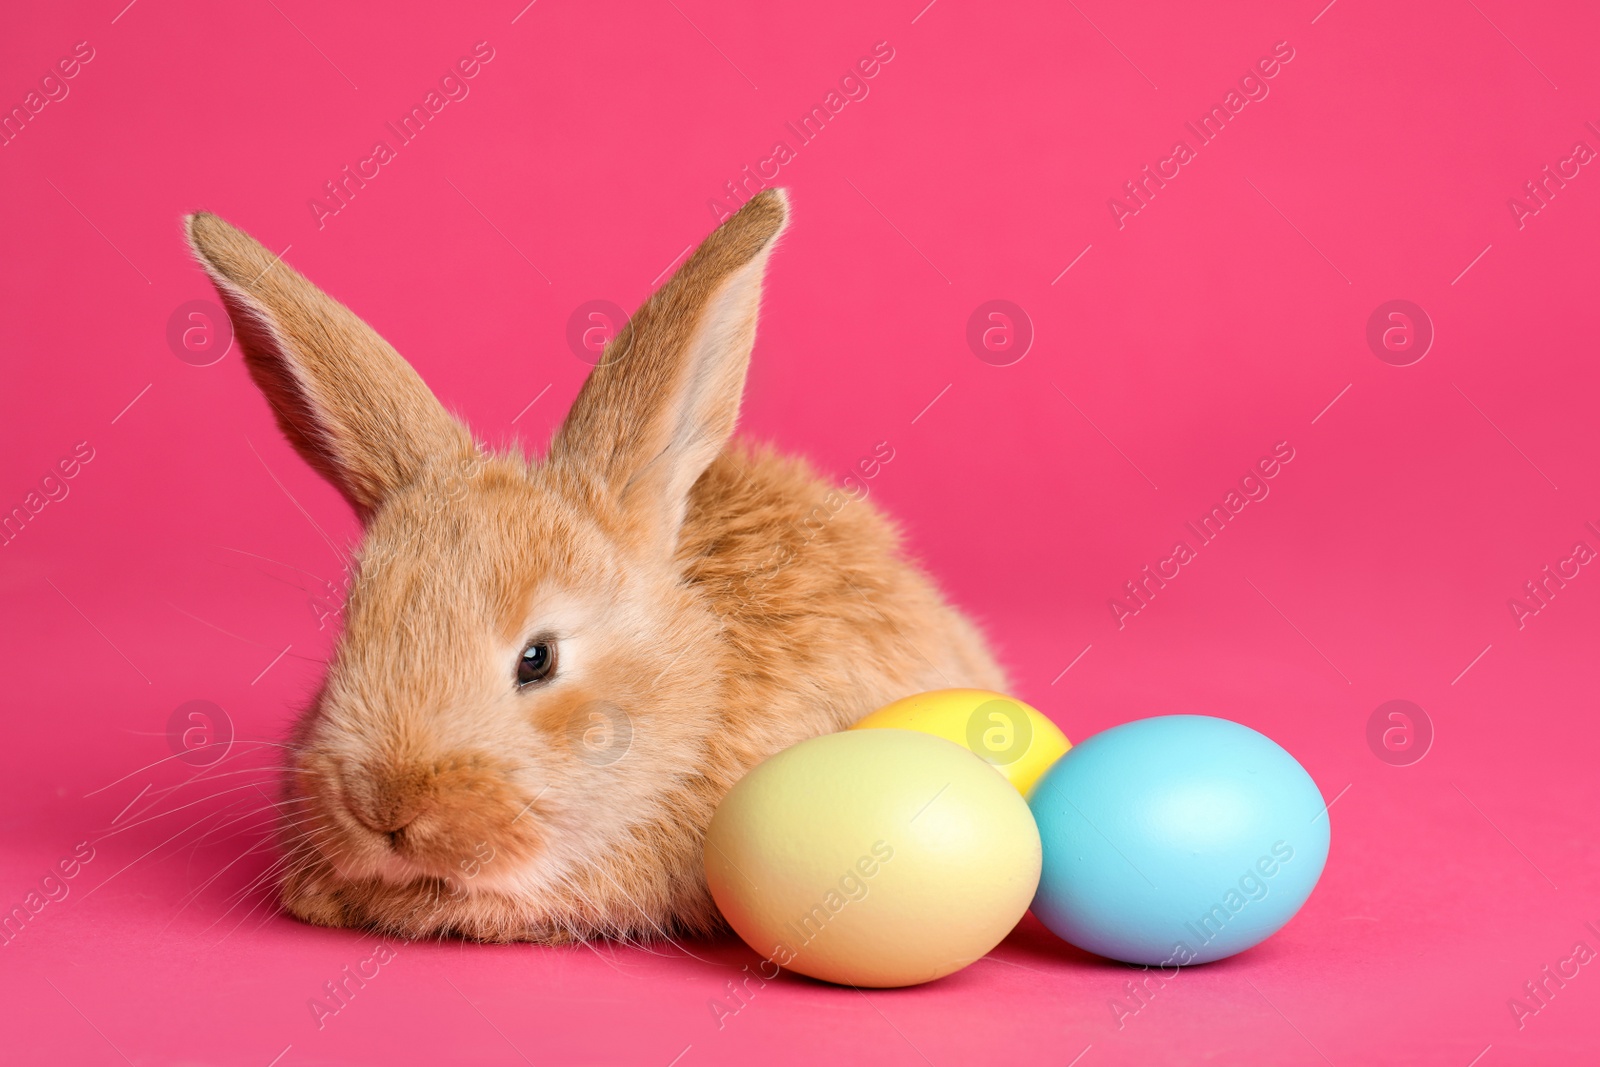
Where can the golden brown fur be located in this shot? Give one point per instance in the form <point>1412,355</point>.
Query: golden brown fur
<point>710,604</point>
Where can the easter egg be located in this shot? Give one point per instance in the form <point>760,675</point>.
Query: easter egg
<point>872,858</point>
<point>1015,739</point>
<point>1176,839</point>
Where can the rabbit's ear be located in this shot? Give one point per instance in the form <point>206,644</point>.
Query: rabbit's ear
<point>664,399</point>
<point>345,399</point>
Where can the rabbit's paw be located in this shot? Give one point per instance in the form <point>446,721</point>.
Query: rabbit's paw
<point>320,904</point>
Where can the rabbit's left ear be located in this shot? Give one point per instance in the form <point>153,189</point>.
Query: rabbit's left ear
<point>665,397</point>
<point>345,399</point>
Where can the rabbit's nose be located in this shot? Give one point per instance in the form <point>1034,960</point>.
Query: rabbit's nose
<point>387,801</point>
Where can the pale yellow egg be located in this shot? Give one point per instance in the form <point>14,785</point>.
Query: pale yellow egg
<point>1016,739</point>
<point>873,858</point>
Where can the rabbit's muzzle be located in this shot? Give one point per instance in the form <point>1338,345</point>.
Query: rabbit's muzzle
<point>453,818</point>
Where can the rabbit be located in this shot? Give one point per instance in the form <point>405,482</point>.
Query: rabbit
<point>551,670</point>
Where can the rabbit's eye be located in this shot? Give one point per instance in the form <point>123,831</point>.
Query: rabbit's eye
<point>538,662</point>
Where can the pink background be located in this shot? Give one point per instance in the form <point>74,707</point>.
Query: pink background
<point>1224,317</point>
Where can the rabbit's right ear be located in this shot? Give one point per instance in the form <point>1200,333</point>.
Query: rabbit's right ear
<point>665,397</point>
<point>345,399</point>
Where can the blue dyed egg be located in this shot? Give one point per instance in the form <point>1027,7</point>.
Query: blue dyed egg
<point>1176,839</point>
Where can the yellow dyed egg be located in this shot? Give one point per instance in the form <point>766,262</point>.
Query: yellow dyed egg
<point>873,858</point>
<point>1017,739</point>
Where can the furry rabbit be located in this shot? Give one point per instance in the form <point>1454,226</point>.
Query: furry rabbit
<point>551,671</point>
